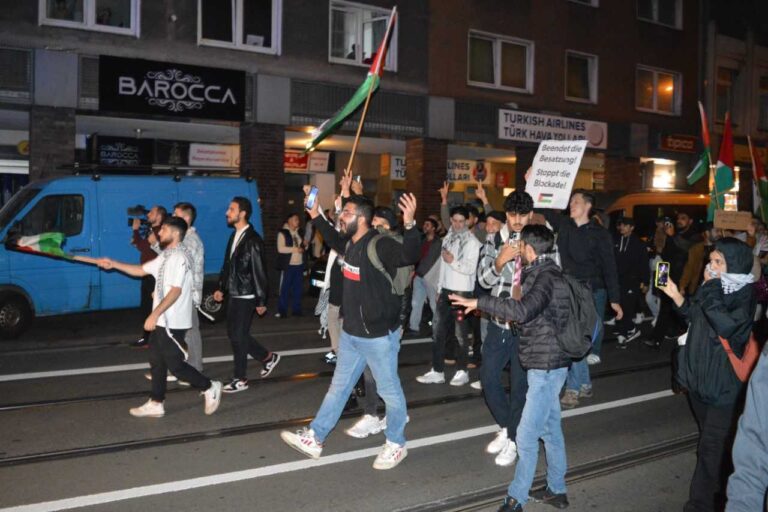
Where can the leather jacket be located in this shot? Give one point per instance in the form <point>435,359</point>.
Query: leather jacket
<point>245,273</point>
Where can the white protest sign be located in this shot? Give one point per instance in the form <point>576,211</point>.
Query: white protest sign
<point>553,172</point>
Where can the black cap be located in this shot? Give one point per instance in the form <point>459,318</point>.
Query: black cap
<point>387,214</point>
<point>629,221</point>
<point>499,216</point>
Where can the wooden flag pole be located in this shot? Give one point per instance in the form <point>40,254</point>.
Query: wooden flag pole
<point>360,126</point>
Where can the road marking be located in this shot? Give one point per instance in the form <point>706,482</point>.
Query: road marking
<point>300,465</point>
<point>145,366</point>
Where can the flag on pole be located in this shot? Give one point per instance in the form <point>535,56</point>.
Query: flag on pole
<point>723,181</point>
<point>702,166</point>
<point>370,84</point>
<point>46,244</point>
<point>760,183</point>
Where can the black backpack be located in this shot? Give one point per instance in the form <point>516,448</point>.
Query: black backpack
<point>583,325</point>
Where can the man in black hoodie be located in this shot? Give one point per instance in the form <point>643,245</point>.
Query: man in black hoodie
<point>632,264</point>
<point>370,334</point>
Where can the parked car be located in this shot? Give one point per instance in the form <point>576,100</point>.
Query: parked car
<point>92,212</point>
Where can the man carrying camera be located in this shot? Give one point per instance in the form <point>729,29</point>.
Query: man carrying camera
<point>145,235</point>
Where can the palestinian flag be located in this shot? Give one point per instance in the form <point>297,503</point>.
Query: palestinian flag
<point>370,84</point>
<point>723,181</point>
<point>46,244</point>
<point>760,183</point>
<point>702,166</point>
<point>545,198</point>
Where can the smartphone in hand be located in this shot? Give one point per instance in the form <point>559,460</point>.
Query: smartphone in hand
<point>662,274</point>
<point>311,198</point>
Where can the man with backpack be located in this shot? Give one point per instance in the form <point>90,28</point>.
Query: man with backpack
<point>542,314</point>
<point>371,330</point>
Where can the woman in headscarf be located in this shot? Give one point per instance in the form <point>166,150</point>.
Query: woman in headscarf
<point>723,306</point>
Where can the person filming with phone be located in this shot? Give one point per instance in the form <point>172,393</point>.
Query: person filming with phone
<point>721,309</point>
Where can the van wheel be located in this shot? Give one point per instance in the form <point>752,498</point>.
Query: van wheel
<point>210,306</point>
<point>15,315</point>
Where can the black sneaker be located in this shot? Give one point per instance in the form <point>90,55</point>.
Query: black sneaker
<point>140,343</point>
<point>270,364</point>
<point>510,505</point>
<point>235,386</point>
<point>549,498</point>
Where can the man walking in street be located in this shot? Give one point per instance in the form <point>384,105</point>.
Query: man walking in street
<point>244,279</point>
<point>290,262</point>
<point>371,331</point>
<point>196,254</point>
<point>143,240</point>
<point>170,319</point>
<point>541,314</point>
<point>423,291</point>
<point>632,264</point>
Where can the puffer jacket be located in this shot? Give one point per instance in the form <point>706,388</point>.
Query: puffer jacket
<point>245,273</point>
<point>540,314</point>
<point>704,368</point>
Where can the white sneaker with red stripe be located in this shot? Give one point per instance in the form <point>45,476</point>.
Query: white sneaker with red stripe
<point>391,455</point>
<point>303,441</point>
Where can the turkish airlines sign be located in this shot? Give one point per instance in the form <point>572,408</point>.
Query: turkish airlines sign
<point>147,87</point>
<point>533,127</point>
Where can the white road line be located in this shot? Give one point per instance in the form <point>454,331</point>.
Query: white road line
<point>287,467</point>
<point>145,366</point>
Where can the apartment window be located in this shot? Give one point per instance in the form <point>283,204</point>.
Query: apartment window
<point>356,32</point>
<point>726,91</point>
<point>252,25</point>
<point>663,12</point>
<point>114,16</point>
<point>762,101</point>
<point>500,62</point>
<point>16,77</point>
<point>580,77</point>
<point>658,91</point>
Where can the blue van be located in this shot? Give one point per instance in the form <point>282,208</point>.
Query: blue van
<point>92,211</point>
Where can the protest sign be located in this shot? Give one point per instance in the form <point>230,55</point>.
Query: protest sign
<point>737,221</point>
<point>553,172</point>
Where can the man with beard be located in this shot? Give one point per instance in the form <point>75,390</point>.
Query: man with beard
<point>155,217</point>
<point>243,278</point>
<point>371,332</point>
<point>172,313</point>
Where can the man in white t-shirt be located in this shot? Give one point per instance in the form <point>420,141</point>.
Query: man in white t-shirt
<point>169,320</point>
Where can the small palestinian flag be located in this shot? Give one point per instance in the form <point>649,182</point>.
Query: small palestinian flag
<point>545,198</point>
<point>46,244</point>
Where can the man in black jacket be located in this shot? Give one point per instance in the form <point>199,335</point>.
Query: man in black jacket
<point>371,331</point>
<point>541,313</point>
<point>632,264</point>
<point>244,279</point>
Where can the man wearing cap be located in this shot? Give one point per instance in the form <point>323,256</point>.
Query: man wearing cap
<point>632,265</point>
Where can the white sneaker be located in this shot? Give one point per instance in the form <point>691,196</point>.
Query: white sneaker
<point>431,377</point>
<point>476,385</point>
<point>639,318</point>
<point>365,426</point>
<point>498,443</point>
<point>461,378</point>
<point>508,455</point>
<point>150,409</point>
<point>384,422</point>
<point>391,455</point>
<point>303,441</point>
<point>169,378</point>
<point>212,397</point>
<point>612,321</point>
<point>593,359</point>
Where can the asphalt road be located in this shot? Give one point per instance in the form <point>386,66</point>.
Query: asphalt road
<point>69,442</point>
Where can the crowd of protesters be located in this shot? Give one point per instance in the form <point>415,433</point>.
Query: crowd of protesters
<point>490,287</point>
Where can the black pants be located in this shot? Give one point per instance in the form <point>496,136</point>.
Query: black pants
<point>239,316</point>
<point>717,428</point>
<point>164,356</point>
<point>147,287</point>
<point>629,302</point>
<point>667,323</point>
<point>444,322</point>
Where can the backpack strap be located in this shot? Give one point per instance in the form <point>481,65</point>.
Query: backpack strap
<point>373,257</point>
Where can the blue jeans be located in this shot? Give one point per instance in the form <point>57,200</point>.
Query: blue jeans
<point>421,292</point>
<point>541,420</point>
<point>291,284</point>
<point>500,348</point>
<point>380,355</point>
<point>578,375</point>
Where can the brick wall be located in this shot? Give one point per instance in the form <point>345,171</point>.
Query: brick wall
<point>51,140</point>
<point>261,154</point>
<point>426,161</point>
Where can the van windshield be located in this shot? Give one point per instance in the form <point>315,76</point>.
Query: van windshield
<point>16,204</point>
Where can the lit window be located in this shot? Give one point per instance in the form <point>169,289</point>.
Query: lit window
<point>252,25</point>
<point>500,62</point>
<point>356,32</point>
<point>581,77</point>
<point>115,16</point>
<point>658,91</point>
<point>663,12</point>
